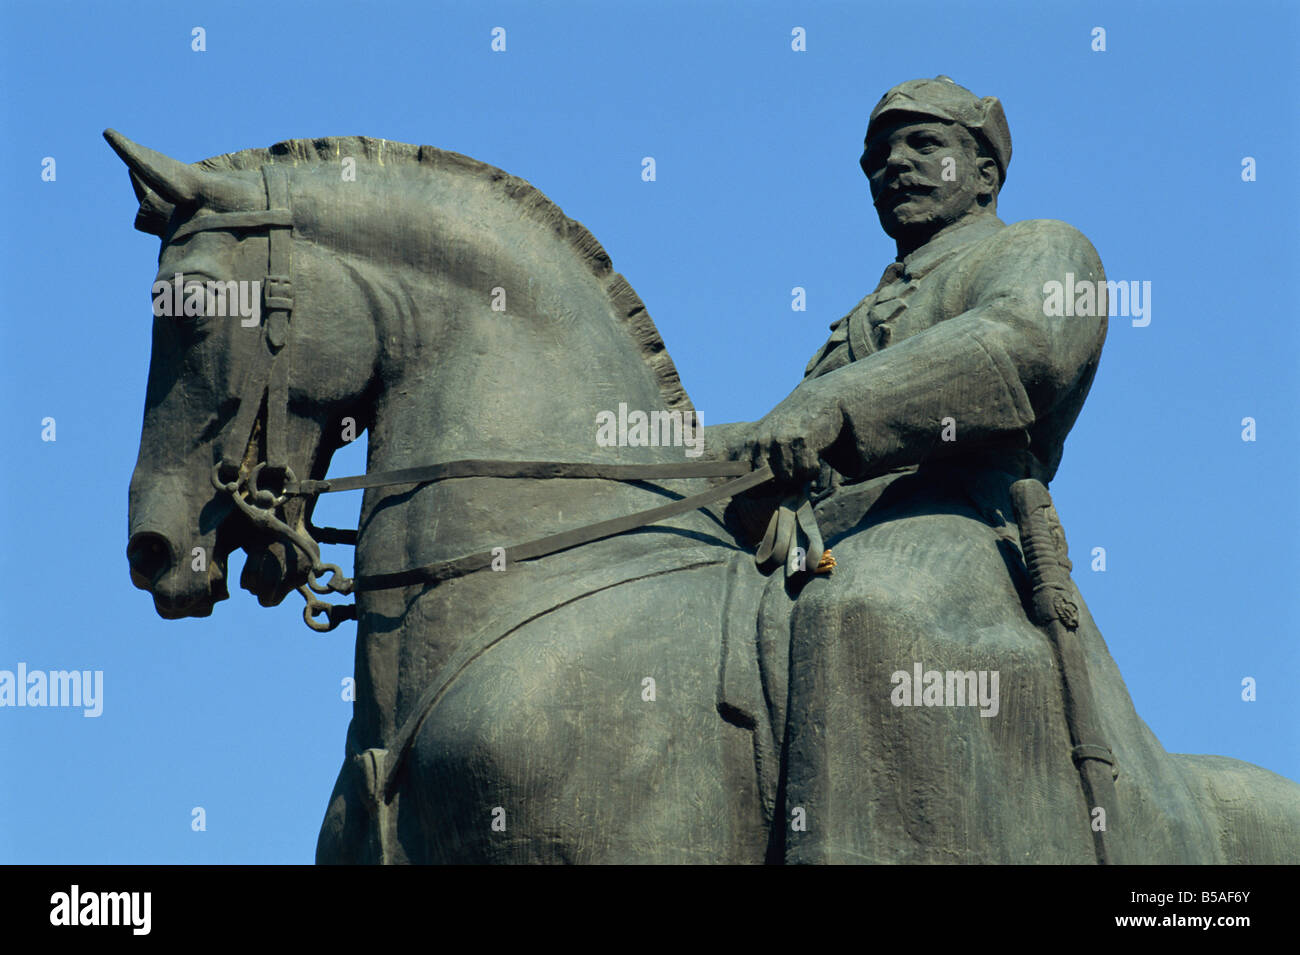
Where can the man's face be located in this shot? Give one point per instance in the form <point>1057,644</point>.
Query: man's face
<point>917,193</point>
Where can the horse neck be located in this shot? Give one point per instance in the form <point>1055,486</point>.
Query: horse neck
<point>524,383</point>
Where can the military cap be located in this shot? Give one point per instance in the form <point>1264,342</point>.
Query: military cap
<point>944,99</point>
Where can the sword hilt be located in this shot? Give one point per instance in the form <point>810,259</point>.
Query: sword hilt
<point>1048,567</point>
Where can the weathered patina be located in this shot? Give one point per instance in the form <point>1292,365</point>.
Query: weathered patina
<point>657,694</point>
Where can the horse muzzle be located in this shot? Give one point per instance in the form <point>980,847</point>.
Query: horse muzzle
<point>182,584</point>
<point>173,556</point>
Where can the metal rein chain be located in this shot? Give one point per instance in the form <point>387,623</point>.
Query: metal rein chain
<point>259,506</point>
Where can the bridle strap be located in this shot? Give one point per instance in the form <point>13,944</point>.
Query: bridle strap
<point>238,433</point>
<point>265,375</point>
<point>277,292</point>
<point>259,219</point>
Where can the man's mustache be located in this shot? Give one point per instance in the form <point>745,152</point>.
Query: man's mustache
<point>904,185</point>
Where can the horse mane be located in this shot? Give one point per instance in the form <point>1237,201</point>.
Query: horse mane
<point>533,204</point>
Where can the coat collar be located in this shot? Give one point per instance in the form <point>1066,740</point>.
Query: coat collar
<point>928,256</point>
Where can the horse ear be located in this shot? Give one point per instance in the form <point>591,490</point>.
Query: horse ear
<point>181,184</point>
<point>155,211</point>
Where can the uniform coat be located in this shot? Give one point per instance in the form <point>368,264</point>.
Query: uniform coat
<point>955,344</point>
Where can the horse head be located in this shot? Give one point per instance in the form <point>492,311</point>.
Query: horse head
<point>443,305</point>
<point>252,378</point>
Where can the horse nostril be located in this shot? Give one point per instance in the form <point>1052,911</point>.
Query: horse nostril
<point>149,557</point>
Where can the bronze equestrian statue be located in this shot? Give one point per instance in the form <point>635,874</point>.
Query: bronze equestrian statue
<point>572,650</point>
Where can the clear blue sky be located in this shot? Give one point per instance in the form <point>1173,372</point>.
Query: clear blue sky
<point>758,191</point>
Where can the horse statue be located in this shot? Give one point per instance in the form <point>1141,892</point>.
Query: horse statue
<point>566,650</point>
